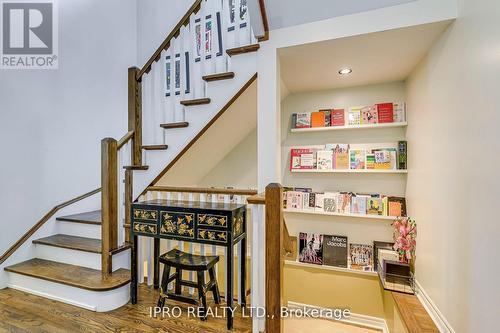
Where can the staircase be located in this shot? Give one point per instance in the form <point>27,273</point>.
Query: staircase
<point>78,252</point>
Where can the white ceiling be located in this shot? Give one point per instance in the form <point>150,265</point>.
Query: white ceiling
<point>285,13</point>
<point>374,58</point>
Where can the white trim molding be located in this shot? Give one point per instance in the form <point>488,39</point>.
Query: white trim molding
<point>439,319</point>
<point>354,318</point>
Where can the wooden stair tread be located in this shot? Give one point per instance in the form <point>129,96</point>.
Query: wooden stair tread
<point>136,167</point>
<point>93,217</point>
<point>198,101</point>
<point>155,147</point>
<point>243,49</point>
<point>181,124</point>
<point>71,275</point>
<point>71,242</point>
<point>218,76</point>
<point>413,314</point>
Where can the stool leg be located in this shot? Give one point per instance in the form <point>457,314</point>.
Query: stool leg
<point>178,279</point>
<point>164,285</point>
<point>201,294</point>
<point>215,287</point>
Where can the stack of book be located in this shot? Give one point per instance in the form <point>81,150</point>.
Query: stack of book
<point>343,156</point>
<point>363,115</point>
<point>304,199</point>
<point>336,251</point>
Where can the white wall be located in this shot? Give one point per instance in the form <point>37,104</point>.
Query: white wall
<point>155,20</point>
<point>453,179</point>
<point>52,122</point>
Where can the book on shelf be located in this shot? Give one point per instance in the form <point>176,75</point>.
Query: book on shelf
<point>294,120</point>
<point>358,204</point>
<point>319,202</point>
<point>396,206</point>
<point>311,248</point>
<point>374,206</point>
<point>324,159</point>
<point>357,159</point>
<point>302,159</point>
<point>330,202</point>
<point>369,115</point>
<point>294,200</point>
<point>303,120</point>
<point>354,116</point>
<point>344,202</point>
<point>370,161</point>
<point>328,117</point>
<point>399,112</point>
<point>318,119</point>
<point>378,245</point>
<point>402,155</point>
<point>338,117</point>
<point>385,159</point>
<point>286,189</point>
<point>361,257</point>
<point>335,251</point>
<point>385,112</point>
<point>340,155</point>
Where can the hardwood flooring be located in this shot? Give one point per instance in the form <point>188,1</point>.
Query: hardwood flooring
<point>22,312</point>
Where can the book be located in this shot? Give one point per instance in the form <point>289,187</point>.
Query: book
<point>328,117</point>
<point>399,112</point>
<point>369,115</point>
<point>358,204</point>
<point>385,112</point>
<point>338,117</point>
<point>385,158</point>
<point>396,206</point>
<point>317,119</point>
<point>344,202</point>
<point>361,256</point>
<point>340,155</point>
<point>357,158</point>
<point>294,120</point>
<point>311,248</point>
<point>312,202</point>
<point>370,161</point>
<point>294,200</point>
<point>302,159</point>
<point>305,200</point>
<point>324,159</point>
<point>402,155</point>
<point>374,206</point>
<point>335,251</point>
<point>330,202</point>
<point>377,245</point>
<point>303,120</point>
<point>354,116</point>
<point>285,192</point>
<point>319,202</point>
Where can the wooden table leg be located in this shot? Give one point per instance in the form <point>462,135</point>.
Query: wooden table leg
<point>133,271</point>
<point>229,287</point>
<point>243,272</point>
<point>156,263</point>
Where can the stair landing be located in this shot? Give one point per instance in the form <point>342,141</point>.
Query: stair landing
<point>71,275</point>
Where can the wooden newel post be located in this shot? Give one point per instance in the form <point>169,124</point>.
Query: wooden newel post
<point>109,202</point>
<point>274,257</point>
<point>135,114</point>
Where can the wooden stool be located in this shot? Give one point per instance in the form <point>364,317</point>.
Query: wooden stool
<point>190,262</point>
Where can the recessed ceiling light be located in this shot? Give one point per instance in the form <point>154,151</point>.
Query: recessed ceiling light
<point>345,71</point>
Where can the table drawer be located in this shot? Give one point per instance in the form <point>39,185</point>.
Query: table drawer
<point>212,220</point>
<point>178,224</point>
<point>145,215</point>
<point>145,228</point>
<point>217,236</point>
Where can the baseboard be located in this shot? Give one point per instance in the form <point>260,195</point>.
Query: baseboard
<point>442,324</point>
<point>355,318</point>
<point>52,297</point>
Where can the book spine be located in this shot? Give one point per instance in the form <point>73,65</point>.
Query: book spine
<point>402,155</point>
<point>294,120</point>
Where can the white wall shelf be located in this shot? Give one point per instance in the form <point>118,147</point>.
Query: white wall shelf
<point>349,127</point>
<point>363,216</point>
<point>330,268</point>
<point>350,171</point>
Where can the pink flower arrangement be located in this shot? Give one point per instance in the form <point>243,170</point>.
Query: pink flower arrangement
<point>405,234</point>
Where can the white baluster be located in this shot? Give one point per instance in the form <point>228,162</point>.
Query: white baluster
<point>244,25</point>
<point>229,16</point>
<point>176,79</point>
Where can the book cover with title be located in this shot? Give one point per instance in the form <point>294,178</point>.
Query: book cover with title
<point>311,248</point>
<point>335,251</point>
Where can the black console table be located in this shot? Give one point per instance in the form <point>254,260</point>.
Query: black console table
<point>218,224</point>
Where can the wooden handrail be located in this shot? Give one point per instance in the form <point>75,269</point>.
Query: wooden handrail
<point>258,199</point>
<point>42,221</point>
<point>211,190</point>
<point>166,43</point>
<point>413,314</point>
<point>126,138</point>
<point>265,22</point>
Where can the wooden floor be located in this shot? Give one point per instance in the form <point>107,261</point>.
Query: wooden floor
<point>21,312</point>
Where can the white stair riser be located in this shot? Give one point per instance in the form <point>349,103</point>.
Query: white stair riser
<point>79,229</point>
<point>80,258</point>
<point>91,300</point>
